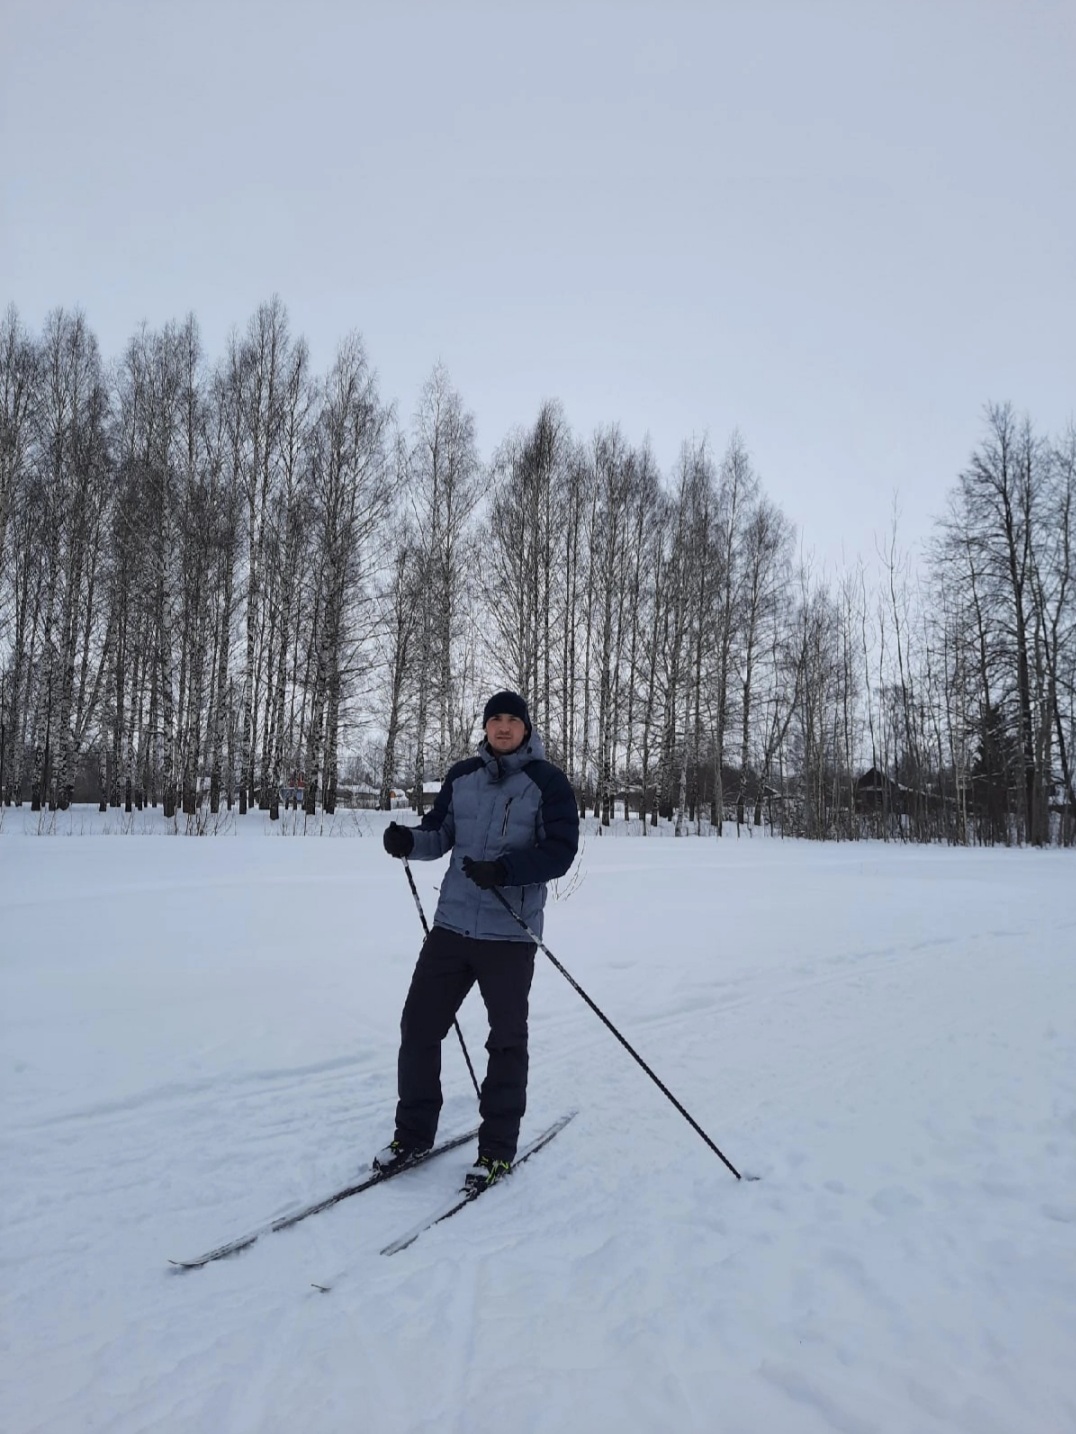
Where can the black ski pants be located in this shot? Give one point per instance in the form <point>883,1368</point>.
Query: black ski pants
<point>448,966</point>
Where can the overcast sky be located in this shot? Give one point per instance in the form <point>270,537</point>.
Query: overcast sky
<point>839,226</point>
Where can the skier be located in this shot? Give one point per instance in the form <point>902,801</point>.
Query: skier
<point>509,818</point>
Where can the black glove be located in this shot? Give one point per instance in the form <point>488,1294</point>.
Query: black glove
<point>398,840</point>
<point>486,874</point>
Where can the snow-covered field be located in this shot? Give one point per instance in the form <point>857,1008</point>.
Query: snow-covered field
<point>196,1034</point>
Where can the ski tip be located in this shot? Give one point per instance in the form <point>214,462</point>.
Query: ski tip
<point>322,1289</point>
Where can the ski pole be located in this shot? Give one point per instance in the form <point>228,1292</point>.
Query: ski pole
<point>426,929</point>
<point>630,1049</point>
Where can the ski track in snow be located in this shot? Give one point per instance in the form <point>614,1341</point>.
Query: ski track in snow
<point>196,1036</point>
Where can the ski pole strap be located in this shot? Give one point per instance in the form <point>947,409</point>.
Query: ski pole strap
<point>629,1048</point>
<point>455,1022</point>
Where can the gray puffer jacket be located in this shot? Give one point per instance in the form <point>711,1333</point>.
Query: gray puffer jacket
<point>519,809</point>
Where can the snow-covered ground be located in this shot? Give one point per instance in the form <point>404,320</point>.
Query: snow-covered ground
<point>196,1034</point>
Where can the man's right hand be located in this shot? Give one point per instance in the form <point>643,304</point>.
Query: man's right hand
<point>398,840</point>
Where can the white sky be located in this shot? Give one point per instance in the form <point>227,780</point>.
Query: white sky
<point>838,225</point>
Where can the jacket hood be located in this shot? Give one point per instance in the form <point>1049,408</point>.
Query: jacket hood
<point>532,750</point>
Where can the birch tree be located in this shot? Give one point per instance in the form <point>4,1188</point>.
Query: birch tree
<point>444,476</point>
<point>351,493</point>
<point>18,382</point>
<point>73,458</point>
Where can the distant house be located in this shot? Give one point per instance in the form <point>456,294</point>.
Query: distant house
<point>364,796</point>
<point>876,791</point>
<point>429,793</point>
<point>737,782</point>
<point>293,790</point>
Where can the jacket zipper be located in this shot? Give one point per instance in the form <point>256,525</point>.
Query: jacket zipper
<point>507,809</point>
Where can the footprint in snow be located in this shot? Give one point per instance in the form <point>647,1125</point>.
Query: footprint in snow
<point>895,1200</point>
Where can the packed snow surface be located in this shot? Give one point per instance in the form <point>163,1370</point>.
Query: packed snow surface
<point>196,1034</point>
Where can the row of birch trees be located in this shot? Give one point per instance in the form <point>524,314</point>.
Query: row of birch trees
<point>236,582</point>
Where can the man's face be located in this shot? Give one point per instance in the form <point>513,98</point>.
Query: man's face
<point>504,733</point>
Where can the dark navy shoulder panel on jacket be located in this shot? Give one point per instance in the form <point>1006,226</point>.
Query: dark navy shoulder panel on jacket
<point>558,820</point>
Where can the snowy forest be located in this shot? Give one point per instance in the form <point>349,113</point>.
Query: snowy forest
<point>231,582</point>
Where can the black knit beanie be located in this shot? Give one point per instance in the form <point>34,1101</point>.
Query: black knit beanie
<point>512,704</point>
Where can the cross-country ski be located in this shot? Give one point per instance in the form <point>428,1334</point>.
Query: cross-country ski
<point>468,1196</point>
<point>295,1217</point>
<point>461,1198</point>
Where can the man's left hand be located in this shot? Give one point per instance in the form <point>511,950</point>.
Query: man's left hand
<point>485,874</point>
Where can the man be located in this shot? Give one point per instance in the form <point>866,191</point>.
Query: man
<point>509,819</point>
